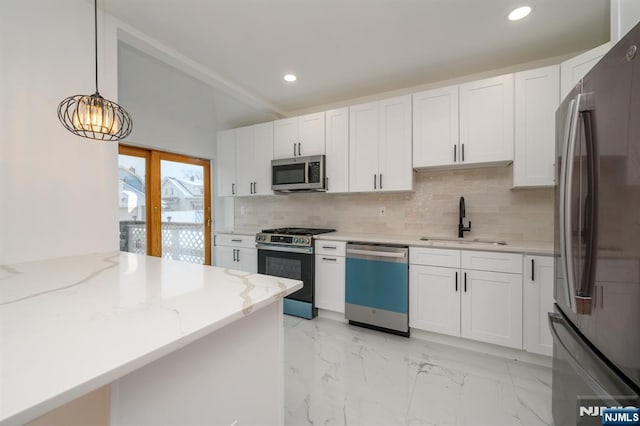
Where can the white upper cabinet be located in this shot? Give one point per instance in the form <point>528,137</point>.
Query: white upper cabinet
<point>537,96</point>
<point>364,138</point>
<point>254,145</point>
<point>380,146</point>
<point>395,169</point>
<point>625,14</point>
<point>435,127</point>
<point>572,70</point>
<point>486,120</point>
<point>337,147</point>
<point>226,163</point>
<point>245,160</point>
<point>299,136</point>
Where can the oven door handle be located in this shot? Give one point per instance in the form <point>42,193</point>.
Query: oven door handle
<point>289,249</point>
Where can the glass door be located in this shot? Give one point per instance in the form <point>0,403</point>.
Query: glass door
<point>164,205</point>
<point>184,209</point>
<point>133,209</point>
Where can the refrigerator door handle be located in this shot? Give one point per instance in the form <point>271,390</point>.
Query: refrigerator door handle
<point>590,230</point>
<point>565,212</point>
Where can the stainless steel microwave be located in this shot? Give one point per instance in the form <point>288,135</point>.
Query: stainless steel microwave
<point>298,174</point>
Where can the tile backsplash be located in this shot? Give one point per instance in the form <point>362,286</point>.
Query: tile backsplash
<point>495,210</point>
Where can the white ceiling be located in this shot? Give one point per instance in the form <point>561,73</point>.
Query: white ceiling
<point>343,49</point>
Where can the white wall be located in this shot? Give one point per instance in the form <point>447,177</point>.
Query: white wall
<point>59,191</point>
<point>172,111</point>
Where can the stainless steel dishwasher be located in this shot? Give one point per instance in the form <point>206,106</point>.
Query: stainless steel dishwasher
<point>377,287</point>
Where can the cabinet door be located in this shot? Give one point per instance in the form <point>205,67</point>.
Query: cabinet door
<point>247,260</point>
<point>537,94</point>
<point>538,284</point>
<point>224,257</point>
<point>245,160</point>
<point>337,146</point>
<point>263,153</point>
<point>395,168</point>
<point>486,120</point>
<point>434,299</point>
<point>572,70</point>
<point>226,163</point>
<point>285,138</point>
<point>330,282</point>
<point>311,134</point>
<point>364,137</point>
<point>435,127</point>
<point>492,307</point>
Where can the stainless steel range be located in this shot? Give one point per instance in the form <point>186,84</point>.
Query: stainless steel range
<point>288,253</point>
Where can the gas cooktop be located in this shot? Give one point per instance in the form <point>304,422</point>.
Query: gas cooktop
<point>297,231</point>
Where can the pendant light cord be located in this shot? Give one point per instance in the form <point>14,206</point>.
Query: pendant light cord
<point>95,22</point>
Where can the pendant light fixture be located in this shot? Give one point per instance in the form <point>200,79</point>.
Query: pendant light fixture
<point>92,116</point>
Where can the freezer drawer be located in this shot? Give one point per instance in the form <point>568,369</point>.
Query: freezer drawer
<point>583,382</point>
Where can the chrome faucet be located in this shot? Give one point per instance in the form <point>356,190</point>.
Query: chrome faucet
<point>461,228</point>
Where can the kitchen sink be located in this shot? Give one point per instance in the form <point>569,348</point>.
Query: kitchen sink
<point>461,241</point>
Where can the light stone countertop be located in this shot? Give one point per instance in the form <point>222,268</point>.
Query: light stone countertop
<point>71,325</point>
<point>525,247</point>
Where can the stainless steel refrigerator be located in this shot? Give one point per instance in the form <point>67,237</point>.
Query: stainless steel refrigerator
<point>596,319</point>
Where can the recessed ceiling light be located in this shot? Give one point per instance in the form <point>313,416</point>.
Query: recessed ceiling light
<point>519,13</point>
<point>290,78</point>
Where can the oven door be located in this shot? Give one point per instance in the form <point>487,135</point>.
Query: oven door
<point>289,262</point>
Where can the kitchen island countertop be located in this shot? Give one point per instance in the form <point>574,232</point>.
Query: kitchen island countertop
<point>71,325</point>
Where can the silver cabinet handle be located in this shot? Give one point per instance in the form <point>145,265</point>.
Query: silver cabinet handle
<point>455,153</point>
<point>299,145</point>
<point>380,180</point>
<point>236,241</point>
<point>375,182</point>
<point>238,256</point>
<point>233,189</point>
<point>463,152</point>
<point>326,183</point>
<point>294,149</point>
<point>456,281</point>
<point>330,259</point>
<point>465,282</point>
<point>330,247</point>
<point>234,255</point>
<point>255,187</point>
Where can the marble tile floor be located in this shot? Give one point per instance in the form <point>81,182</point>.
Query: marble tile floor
<point>336,374</point>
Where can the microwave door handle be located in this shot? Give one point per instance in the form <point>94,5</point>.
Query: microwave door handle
<point>306,172</point>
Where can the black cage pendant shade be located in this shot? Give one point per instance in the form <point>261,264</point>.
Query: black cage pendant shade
<point>92,116</point>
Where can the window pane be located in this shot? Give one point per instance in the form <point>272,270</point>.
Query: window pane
<point>182,189</point>
<point>133,204</point>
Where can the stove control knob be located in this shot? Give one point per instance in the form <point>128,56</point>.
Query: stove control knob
<point>306,240</point>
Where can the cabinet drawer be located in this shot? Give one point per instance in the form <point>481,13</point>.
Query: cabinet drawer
<point>235,240</point>
<point>331,248</point>
<point>492,261</point>
<point>434,257</point>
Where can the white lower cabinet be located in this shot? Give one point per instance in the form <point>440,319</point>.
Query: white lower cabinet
<point>235,252</point>
<point>330,275</point>
<point>473,294</point>
<point>330,282</point>
<point>538,285</point>
<point>434,299</point>
<point>492,307</point>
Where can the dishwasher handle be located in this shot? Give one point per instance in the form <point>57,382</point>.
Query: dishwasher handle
<point>374,253</point>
